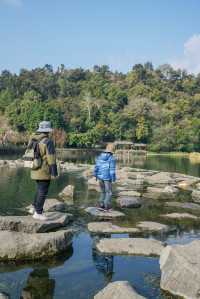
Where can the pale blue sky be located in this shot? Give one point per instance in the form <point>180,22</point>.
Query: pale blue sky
<point>88,32</point>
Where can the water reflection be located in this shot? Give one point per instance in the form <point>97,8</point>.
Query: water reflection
<point>39,285</point>
<point>31,280</point>
<point>104,264</point>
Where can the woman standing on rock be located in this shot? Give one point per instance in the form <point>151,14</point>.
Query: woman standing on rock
<point>105,172</point>
<point>44,166</point>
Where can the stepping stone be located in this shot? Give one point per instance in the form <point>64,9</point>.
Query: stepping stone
<point>18,246</point>
<point>130,246</point>
<point>129,193</point>
<point>180,273</point>
<point>27,224</point>
<point>183,205</point>
<point>128,202</point>
<point>109,228</point>
<point>104,215</point>
<point>118,290</point>
<point>153,227</point>
<point>52,205</point>
<point>180,216</point>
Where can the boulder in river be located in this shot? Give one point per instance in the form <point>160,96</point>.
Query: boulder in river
<point>67,194</point>
<point>22,246</point>
<point>128,202</point>
<point>130,246</point>
<point>29,225</point>
<point>180,270</point>
<point>180,216</point>
<point>104,215</point>
<point>150,226</point>
<point>109,228</point>
<point>118,290</point>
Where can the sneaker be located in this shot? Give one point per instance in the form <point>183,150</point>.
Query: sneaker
<point>31,210</point>
<point>107,210</point>
<point>100,208</point>
<point>39,216</point>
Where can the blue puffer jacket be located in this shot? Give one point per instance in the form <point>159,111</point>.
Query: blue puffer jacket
<point>105,167</point>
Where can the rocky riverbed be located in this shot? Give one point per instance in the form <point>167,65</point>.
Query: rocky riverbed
<point>147,206</point>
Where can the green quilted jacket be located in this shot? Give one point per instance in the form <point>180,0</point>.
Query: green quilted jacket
<point>48,155</point>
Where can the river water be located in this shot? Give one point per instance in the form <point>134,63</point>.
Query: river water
<point>80,273</point>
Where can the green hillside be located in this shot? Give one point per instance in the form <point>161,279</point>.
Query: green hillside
<point>160,107</point>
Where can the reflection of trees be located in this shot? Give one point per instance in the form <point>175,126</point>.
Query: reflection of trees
<point>39,285</point>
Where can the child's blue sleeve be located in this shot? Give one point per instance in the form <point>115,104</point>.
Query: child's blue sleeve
<point>113,169</point>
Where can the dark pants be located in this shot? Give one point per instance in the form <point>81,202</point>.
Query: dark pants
<point>40,196</point>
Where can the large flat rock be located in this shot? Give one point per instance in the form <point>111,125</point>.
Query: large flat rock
<point>180,270</point>
<point>180,216</point>
<point>118,290</point>
<point>109,228</point>
<point>168,192</point>
<point>27,224</point>
<point>129,193</point>
<point>130,246</point>
<point>23,246</point>
<point>160,178</point>
<point>183,205</point>
<point>151,226</point>
<point>104,215</point>
<point>128,202</point>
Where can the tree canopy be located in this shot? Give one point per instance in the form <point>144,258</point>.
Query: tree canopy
<point>160,107</point>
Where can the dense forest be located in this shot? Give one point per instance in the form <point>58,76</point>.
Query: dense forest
<point>160,107</point>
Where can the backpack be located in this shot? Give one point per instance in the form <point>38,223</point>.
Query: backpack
<point>33,155</point>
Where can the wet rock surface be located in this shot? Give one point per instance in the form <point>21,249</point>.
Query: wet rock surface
<point>128,202</point>
<point>93,211</point>
<point>109,228</point>
<point>183,205</point>
<point>23,246</point>
<point>180,274</point>
<point>118,290</point>
<point>130,246</point>
<point>29,225</point>
<point>180,216</point>
<point>67,194</point>
<point>150,226</point>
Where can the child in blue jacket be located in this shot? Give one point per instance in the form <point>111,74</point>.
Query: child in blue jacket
<point>104,171</point>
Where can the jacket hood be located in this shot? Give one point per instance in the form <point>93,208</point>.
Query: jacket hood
<point>105,156</point>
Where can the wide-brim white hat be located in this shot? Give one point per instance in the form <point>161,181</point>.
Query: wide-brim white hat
<point>45,127</point>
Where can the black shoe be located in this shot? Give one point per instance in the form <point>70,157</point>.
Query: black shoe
<point>100,207</point>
